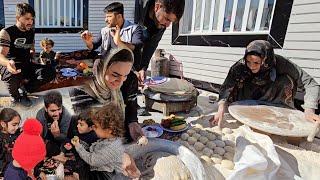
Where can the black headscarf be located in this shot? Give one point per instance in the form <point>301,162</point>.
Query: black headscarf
<point>267,70</point>
<point>265,50</point>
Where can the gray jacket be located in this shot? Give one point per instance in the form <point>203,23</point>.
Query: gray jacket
<point>63,125</point>
<point>105,155</point>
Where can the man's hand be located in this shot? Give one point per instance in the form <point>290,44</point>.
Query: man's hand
<point>87,37</point>
<point>310,115</point>
<point>135,131</point>
<point>129,167</point>
<point>12,67</point>
<point>141,76</point>
<point>115,33</point>
<point>55,130</point>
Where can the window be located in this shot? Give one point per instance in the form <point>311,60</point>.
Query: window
<point>57,16</point>
<point>2,21</point>
<point>232,22</point>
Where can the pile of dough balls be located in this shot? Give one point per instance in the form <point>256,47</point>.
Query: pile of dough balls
<point>211,144</point>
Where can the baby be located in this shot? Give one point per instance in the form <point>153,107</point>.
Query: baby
<point>47,55</point>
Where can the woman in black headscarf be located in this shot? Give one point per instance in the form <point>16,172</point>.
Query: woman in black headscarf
<point>269,78</point>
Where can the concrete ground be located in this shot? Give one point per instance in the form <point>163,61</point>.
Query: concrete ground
<point>204,108</point>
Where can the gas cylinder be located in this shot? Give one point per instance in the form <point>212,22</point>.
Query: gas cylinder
<point>159,64</point>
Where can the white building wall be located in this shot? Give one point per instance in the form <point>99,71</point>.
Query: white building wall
<point>211,64</point>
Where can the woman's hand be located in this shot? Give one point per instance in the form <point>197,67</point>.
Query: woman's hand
<point>217,118</point>
<point>135,131</point>
<point>129,167</point>
<point>310,115</point>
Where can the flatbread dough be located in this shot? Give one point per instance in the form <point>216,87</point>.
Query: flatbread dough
<point>162,165</point>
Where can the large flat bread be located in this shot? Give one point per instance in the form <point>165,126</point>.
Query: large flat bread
<point>273,120</point>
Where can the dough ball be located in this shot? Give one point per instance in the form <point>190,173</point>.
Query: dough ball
<point>227,164</point>
<point>229,149</point>
<point>229,156</point>
<point>211,136</point>
<point>230,137</point>
<point>196,136</point>
<point>216,158</point>
<point>197,130</point>
<point>203,133</point>
<point>219,137</point>
<point>206,151</point>
<point>216,129</point>
<point>229,143</point>
<point>198,146</point>
<point>219,143</point>
<point>227,131</point>
<point>191,132</point>
<point>206,159</point>
<point>219,150</point>
<point>192,140</point>
<point>199,126</point>
<point>224,138</point>
<point>143,140</point>
<point>184,136</point>
<point>203,139</point>
<point>185,143</point>
<point>211,145</point>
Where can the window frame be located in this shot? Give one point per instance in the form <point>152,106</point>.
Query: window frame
<point>276,35</point>
<point>65,29</point>
<point>2,14</point>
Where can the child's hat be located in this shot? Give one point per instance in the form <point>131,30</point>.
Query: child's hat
<point>29,148</point>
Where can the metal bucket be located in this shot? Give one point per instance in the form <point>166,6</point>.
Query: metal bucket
<point>190,160</point>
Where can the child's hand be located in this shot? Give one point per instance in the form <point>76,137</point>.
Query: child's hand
<point>129,167</point>
<point>75,141</point>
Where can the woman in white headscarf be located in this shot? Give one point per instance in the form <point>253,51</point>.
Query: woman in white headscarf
<point>104,88</point>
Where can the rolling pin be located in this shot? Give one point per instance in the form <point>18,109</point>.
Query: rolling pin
<point>314,131</point>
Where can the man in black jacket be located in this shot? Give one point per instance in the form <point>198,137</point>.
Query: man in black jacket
<point>155,16</point>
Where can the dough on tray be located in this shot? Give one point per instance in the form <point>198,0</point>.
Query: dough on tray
<point>192,140</point>
<point>203,139</point>
<point>219,143</point>
<point>211,145</point>
<point>198,146</point>
<point>184,136</point>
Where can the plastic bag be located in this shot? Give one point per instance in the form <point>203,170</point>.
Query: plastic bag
<point>256,158</point>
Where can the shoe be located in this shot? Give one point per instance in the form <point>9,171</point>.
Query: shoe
<point>23,101</point>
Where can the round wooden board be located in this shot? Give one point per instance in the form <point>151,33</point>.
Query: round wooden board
<point>273,120</point>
